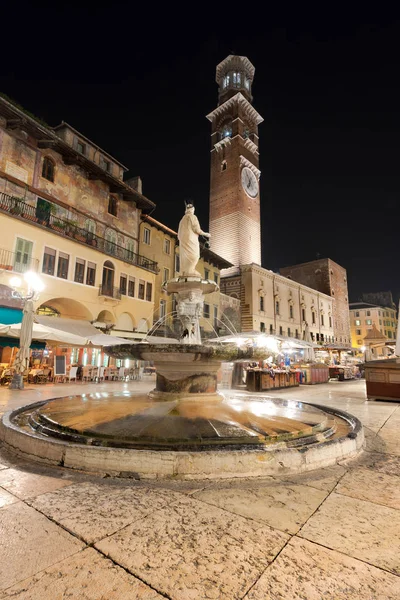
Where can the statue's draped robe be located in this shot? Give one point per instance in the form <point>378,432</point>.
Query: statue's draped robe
<point>188,235</point>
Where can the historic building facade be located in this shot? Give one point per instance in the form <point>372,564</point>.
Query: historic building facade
<point>67,213</point>
<point>364,316</point>
<point>160,244</point>
<point>269,302</point>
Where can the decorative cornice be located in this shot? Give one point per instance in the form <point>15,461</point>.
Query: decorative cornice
<point>224,142</point>
<point>246,163</point>
<point>249,145</point>
<point>238,98</point>
<point>234,60</point>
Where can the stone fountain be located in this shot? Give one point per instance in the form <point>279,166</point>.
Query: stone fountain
<point>184,427</point>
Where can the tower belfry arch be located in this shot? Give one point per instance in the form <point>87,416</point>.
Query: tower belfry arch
<point>235,176</point>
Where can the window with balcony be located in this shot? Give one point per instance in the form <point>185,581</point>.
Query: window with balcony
<point>111,241</point>
<point>79,276</point>
<point>113,206</point>
<point>131,287</point>
<point>206,311</point>
<point>91,273</point>
<point>206,274</point>
<point>49,261</point>
<point>130,250</point>
<point>62,266</point>
<point>165,275</point>
<point>141,289</point>
<point>146,235</point>
<point>108,279</point>
<point>48,168</point>
<point>167,246</point>
<point>122,284</point>
<point>149,291</point>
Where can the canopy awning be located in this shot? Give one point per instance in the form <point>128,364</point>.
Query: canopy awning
<point>73,326</point>
<point>10,315</point>
<point>12,342</point>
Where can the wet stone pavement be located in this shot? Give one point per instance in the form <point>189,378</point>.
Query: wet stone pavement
<point>330,534</point>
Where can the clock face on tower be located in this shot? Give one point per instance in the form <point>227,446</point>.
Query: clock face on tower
<point>249,182</point>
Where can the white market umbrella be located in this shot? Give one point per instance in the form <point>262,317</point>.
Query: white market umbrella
<point>25,338</point>
<point>48,334</point>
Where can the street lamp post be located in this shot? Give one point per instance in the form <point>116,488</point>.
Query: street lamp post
<point>34,287</point>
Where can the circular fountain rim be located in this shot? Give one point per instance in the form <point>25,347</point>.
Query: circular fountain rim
<point>205,463</point>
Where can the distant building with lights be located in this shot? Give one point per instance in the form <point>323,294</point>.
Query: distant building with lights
<point>365,316</point>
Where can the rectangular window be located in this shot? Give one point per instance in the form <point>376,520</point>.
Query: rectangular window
<point>277,307</point>
<point>206,311</point>
<point>313,317</point>
<point>206,274</point>
<point>141,289</point>
<point>23,254</point>
<point>297,334</point>
<point>357,322</point>
<point>368,313</point>
<point>167,246</point>
<point>131,287</point>
<point>368,321</point>
<point>79,270</point>
<point>291,311</point>
<point>262,327</point>
<point>280,330</point>
<point>149,290</point>
<point>63,263</point>
<point>271,329</point>
<point>105,164</point>
<point>358,331</point>
<point>322,320</point>
<point>177,263</point>
<point>215,317</point>
<point>303,314</point>
<point>390,334</point>
<point>146,235</point>
<point>49,261</point>
<point>163,306</point>
<point>166,275</point>
<point>112,206</point>
<point>357,314</point>
<point>262,303</point>
<point>289,332</point>
<point>81,147</point>
<point>91,273</point>
<point>122,284</point>
<point>216,278</point>
<point>330,322</point>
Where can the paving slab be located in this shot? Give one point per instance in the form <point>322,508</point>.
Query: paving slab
<point>378,462</point>
<point>306,571</point>
<point>191,551</point>
<point>84,576</point>
<point>93,511</point>
<point>30,543</point>
<point>321,479</point>
<point>27,485</point>
<point>358,528</point>
<point>284,506</point>
<point>375,487</point>
<point>7,498</point>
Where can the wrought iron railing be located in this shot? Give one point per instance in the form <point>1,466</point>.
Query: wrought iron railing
<point>16,206</point>
<point>110,291</point>
<point>18,262</point>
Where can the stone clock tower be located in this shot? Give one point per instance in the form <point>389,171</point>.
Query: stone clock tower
<point>234,186</point>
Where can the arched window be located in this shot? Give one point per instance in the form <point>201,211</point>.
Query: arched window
<point>48,169</point>
<point>108,279</point>
<point>111,240</point>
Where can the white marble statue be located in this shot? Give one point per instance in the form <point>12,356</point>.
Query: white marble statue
<point>188,235</point>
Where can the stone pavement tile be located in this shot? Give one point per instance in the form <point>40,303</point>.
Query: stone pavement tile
<point>358,528</point>
<point>193,551</point>
<point>306,571</point>
<point>27,485</point>
<point>391,438</point>
<point>374,443</point>
<point>284,506</point>
<point>378,462</point>
<point>93,511</point>
<point>322,479</point>
<point>30,543</point>
<point>6,498</point>
<point>84,576</point>
<point>368,485</point>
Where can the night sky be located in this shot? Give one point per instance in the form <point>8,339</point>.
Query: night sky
<point>140,85</point>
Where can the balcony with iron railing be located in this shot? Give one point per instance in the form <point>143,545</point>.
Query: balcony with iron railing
<point>18,208</point>
<point>17,262</point>
<point>109,291</point>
